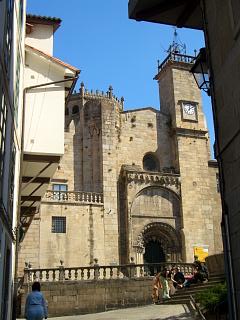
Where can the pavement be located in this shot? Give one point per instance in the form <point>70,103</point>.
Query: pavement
<point>152,312</point>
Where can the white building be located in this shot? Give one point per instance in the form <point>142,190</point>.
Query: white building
<point>28,160</point>
<point>12,26</point>
<point>48,82</point>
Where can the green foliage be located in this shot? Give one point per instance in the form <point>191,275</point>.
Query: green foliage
<point>211,297</point>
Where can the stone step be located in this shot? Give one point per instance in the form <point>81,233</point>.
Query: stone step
<point>183,295</point>
<point>195,288</point>
<point>198,287</point>
<point>213,275</point>
<point>176,301</point>
<point>210,282</point>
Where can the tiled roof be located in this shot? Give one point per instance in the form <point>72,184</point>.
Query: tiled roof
<point>53,59</point>
<point>47,18</point>
<point>32,18</point>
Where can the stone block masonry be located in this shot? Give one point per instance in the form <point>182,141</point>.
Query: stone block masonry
<point>81,297</point>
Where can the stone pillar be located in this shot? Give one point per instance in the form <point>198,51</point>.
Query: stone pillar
<point>110,176</point>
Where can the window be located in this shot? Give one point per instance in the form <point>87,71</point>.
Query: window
<point>11,180</point>
<point>8,33</point>
<point>6,281</point>
<point>60,191</point>
<point>3,121</point>
<point>75,109</point>
<point>20,13</point>
<point>1,233</point>
<point>16,91</point>
<point>58,224</point>
<point>150,162</point>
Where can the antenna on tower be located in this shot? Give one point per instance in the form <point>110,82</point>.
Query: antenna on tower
<point>177,45</point>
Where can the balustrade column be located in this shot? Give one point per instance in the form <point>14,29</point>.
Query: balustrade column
<point>61,271</point>
<point>26,275</point>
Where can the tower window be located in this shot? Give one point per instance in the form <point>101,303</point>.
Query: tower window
<point>75,109</point>
<point>58,224</point>
<point>150,163</point>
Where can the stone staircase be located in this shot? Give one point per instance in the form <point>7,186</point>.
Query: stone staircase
<point>182,296</point>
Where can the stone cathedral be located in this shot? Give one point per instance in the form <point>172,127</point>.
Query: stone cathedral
<point>132,183</point>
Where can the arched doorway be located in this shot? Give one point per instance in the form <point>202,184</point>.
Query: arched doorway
<point>154,252</point>
<point>158,242</point>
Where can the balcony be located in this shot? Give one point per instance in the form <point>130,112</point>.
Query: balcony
<point>168,177</point>
<point>73,197</point>
<point>48,84</point>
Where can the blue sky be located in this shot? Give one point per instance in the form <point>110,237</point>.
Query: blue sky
<point>98,38</point>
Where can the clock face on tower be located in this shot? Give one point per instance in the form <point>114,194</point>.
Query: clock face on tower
<point>189,111</point>
<point>189,108</point>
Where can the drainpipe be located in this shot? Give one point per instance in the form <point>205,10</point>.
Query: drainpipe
<point>25,90</point>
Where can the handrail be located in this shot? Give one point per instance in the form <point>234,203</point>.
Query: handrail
<point>73,197</point>
<point>196,306</point>
<point>101,272</point>
<point>177,57</point>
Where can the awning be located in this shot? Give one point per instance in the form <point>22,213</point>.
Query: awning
<point>180,13</point>
<point>37,172</point>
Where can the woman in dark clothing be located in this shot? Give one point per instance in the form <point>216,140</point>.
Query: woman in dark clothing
<point>179,278</point>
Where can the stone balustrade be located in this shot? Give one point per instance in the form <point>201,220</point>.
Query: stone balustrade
<point>177,57</point>
<point>165,179</point>
<point>98,272</point>
<point>73,197</point>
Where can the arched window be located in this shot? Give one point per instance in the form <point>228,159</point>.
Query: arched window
<point>150,162</point>
<point>75,109</point>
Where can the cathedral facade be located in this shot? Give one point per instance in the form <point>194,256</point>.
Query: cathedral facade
<point>137,183</point>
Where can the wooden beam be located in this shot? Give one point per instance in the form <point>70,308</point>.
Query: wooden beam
<point>27,211</point>
<point>159,8</point>
<point>25,225</point>
<point>31,198</point>
<point>41,158</point>
<point>41,180</point>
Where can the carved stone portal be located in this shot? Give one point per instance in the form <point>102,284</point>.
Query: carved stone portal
<point>158,236</point>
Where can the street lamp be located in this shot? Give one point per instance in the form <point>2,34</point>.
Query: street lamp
<point>200,71</point>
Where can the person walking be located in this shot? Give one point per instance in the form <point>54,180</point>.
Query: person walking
<point>36,307</point>
<point>164,283</point>
<point>156,288</point>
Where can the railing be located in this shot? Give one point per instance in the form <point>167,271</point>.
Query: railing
<point>98,272</point>
<point>196,306</point>
<point>178,58</point>
<point>169,180</point>
<point>73,197</point>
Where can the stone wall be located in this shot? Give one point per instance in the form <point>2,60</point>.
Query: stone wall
<point>80,297</point>
<point>142,131</point>
<point>29,248</point>
<point>82,242</point>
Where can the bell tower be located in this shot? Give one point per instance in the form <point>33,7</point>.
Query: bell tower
<point>180,99</point>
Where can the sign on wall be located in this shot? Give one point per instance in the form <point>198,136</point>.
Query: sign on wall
<point>201,252</point>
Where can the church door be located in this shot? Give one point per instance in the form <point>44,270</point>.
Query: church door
<point>153,254</point>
